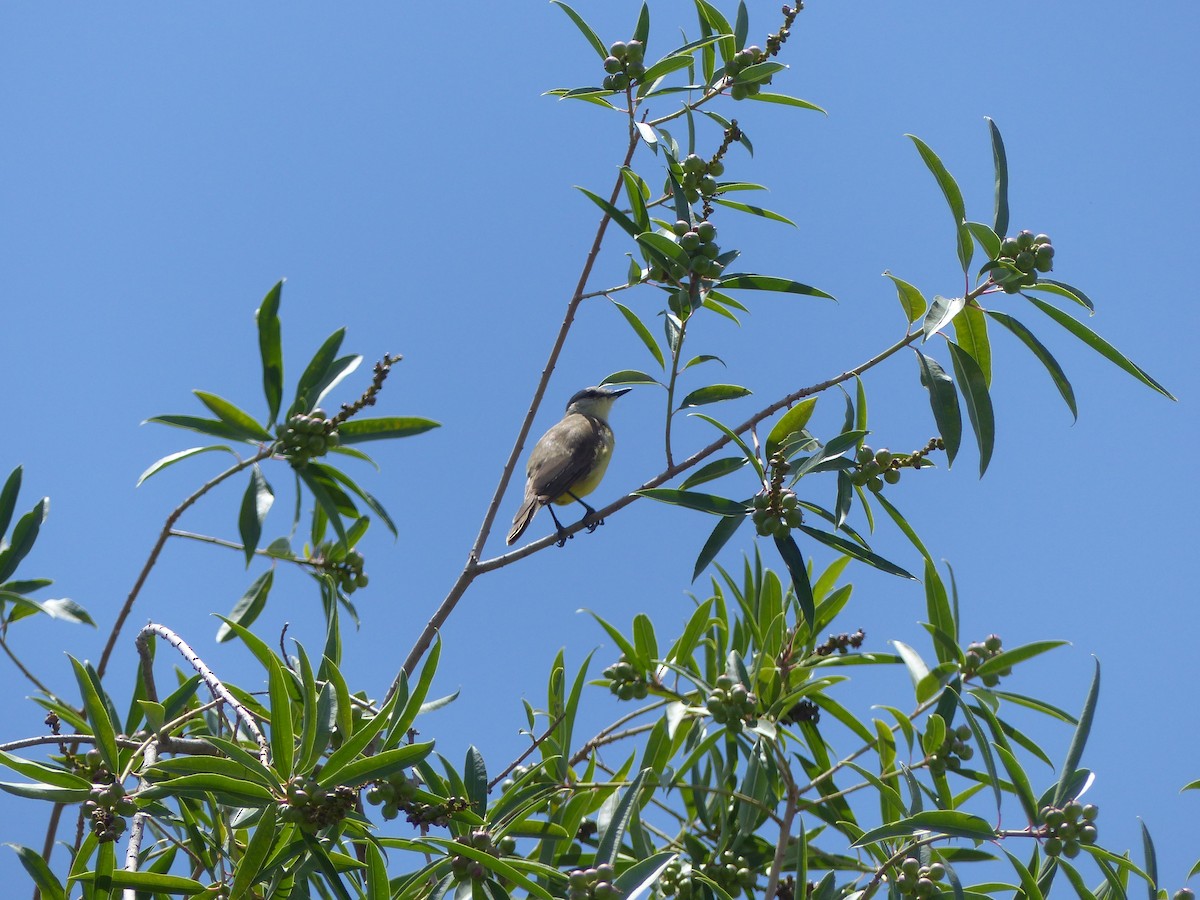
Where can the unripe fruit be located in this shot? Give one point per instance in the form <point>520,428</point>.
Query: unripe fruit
<point>618,49</point>
<point>689,241</point>
<point>883,456</point>
<point>1025,261</point>
<point>707,230</point>
<point>708,185</point>
<point>1044,258</point>
<point>739,92</point>
<point>681,227</point>
<point>1025,240</point>
<point>1041,239</point>
<point>612,65</point>
<point>1009,248</point>
<point>892,476</point>
<point>875,484</point>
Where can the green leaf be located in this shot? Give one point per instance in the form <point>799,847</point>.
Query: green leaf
<point>912,301</point>
<point>757,72</point>
<point>379,766</point>
<point>717,506</point>
<point>754,210</point>
<point>794,560</point>
<point>211,427</point>
<point>718,468</point>
<point>973,384</point>
<point>611,211</point>
<point>629,376</point>
<point>937,608</point>
<point>937,821</point>
<point>1151,866</point>
<point>584,28</point>
<point>712,18</point>
<point>309,387</point>
<point>97,713</point>
<point>148,882</point>
<point>1062,289</point>
<point>45,792</point>
<point>941,313</point>
<point>1020,781</point>
<point>857,552</point>
<point>173,458</point>
<point>232,791</point>
<point>714,393</point>
<point>750,282</point>
<point>1101,346</point>
<point>987,238</point>
<point>662,246</point>
<point>1029,886</point>
<point>953,199</point>
<point>917,669</point>
<point>703,358</point>
<point>356,431</point>
<point>1057,375</point>
<point>270,349</point>
<point>8,498</point>
<point>239,420</point>
<point>642,875</point>
<point>1000,161</point>
<point>43,773</point>
<point>247,609</point>
<point>790,423</point>
<point>970,333</point>
<point>785,100</point>
<point>48,885</point>
<point>640,329</point>
<point>256,503</point>
<point>1017,655</point>
<point>610,838</point>
<point>724,530</point>
<point>636,191</point>
<point>24,535</point>
<point>251,863</point>
<point>1078,740</point>
<point>935,734</point>
<point>943,399</point>
<point>746,451</point>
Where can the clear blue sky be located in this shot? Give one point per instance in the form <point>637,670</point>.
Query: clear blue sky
<point>162,166</point>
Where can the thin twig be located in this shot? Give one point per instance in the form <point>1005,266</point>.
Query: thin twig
<point>533,746</point>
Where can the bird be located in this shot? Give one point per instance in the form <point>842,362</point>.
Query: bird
<point>569,460</point>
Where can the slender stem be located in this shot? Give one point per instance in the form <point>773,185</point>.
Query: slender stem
<point>165,533</point>
<point>602,736</point>
<point>676,354</point>
<point>140,820</point>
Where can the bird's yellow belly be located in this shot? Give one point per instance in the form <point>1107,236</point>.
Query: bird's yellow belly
<point>590,481</point>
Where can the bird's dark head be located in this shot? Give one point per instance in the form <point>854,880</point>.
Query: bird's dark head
<point>594,401</point>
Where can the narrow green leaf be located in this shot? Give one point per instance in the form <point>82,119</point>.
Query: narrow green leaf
<point>935,734</point>
<point>758,72</point>
<point>703,358</point>
<point>794,560</point>
<point>1151,866</point>
<point>637,880</point>
<point>43,773</point>
<point>356,431</point>
<point>283,735</point>
<point>635,191</point>
<point>858,552</point>
<point>173,458</point>
<point>1017,655</point>
<point>713,393</point>
<point>247,609</point>
<point>626,223</point>
<point>718,468</point>
<point>1101,346</point>
<point>789,424</point>
<point>937,607</point>
<point>640,329</point>
<point>1078,740</point>
<point>46,792</point>
<point>653,73</point>
<point>750,282</point>
<point>724,530</point>
<point>24,535</point>
<point>475,778</point>
<point>1062,289</point>
<point>584,28</point>
<point>148,882</point>
<point>754,210</point>
<point>973,384</point>
<point>232,791</point>
<point>47,884</point>
<point>912,301</point>
<point>717,506</point>
<point>251,863</point>
<point>711,18</point>
<point>212,427</point>
<point>256,503</point>
<point>629,376</point>
<point>1029,885</point>
<point>8,500</point>
<point>943,400</point>
<point>97,713</point>
<point>941,313</point>
<point>641,31</point>
<point>235,418</point>
<point>1020,781</point>
<point>937,821</point>
<point>316,373</point>
<point>917,669</point>
<point>987,238</point>
<point>1000,161</point>
<point>970,333</point>
<point>785,100</point>
<point>326,496</point>
<point>663,246</point>
<point>610,839</point>
<point>746,451</point>
<point>271,349</point>
<point>953,198</point>
<point>1057,375</point>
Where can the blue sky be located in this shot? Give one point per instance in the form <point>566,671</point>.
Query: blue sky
<point>161,167</point>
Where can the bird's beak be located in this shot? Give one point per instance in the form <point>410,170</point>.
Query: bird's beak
<point>618,393</point>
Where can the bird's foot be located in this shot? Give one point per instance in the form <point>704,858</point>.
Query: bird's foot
<point>563,537</point>
<point>592,521</point>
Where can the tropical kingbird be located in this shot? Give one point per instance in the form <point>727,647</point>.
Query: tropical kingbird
<point>569,460</point>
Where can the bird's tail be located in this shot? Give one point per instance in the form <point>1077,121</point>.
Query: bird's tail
<point>523,517</point>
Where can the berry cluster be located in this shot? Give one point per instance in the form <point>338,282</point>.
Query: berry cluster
<point>732,704</point>
<point>464,867</point>
<point>842,643</point>
<point>105,808</point>
<point>953,752</point>
<point>699,242</point>
<point>776,512</point>
<point>1066,830</point>
<point>916,880</point>
<point>399,794</point>
<point>306,435</point>
<point>313,807</point>
<point>348,573</point>
<point>742,60</point>
<point>804,711</point>
<point>700,176</point>
<point>624,65</point>
<point>731,872</point>
<point>980,652</point>
<point>592,884</point>
<point>1021,258</point>
<point>625,681</point>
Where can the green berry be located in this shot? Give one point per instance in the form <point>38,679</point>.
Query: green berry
<point>1044,258</point>
<point>681,227</point>
<point>875,484</point>
<point>1041,239</point>
<point>739,92</point>
<point>707,230</point>
<point>689,241</point>
<point>1025,240</point>
<point>891,476</point>
<point>1026,260</point>
<point>883,456</point>
<point>708,185</point>
<point>1053,846</point>
<point>1009,248</point>
<point>618,49</point>
<point>612,65</point>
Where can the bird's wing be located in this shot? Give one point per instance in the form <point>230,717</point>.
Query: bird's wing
<point>565,454</point>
